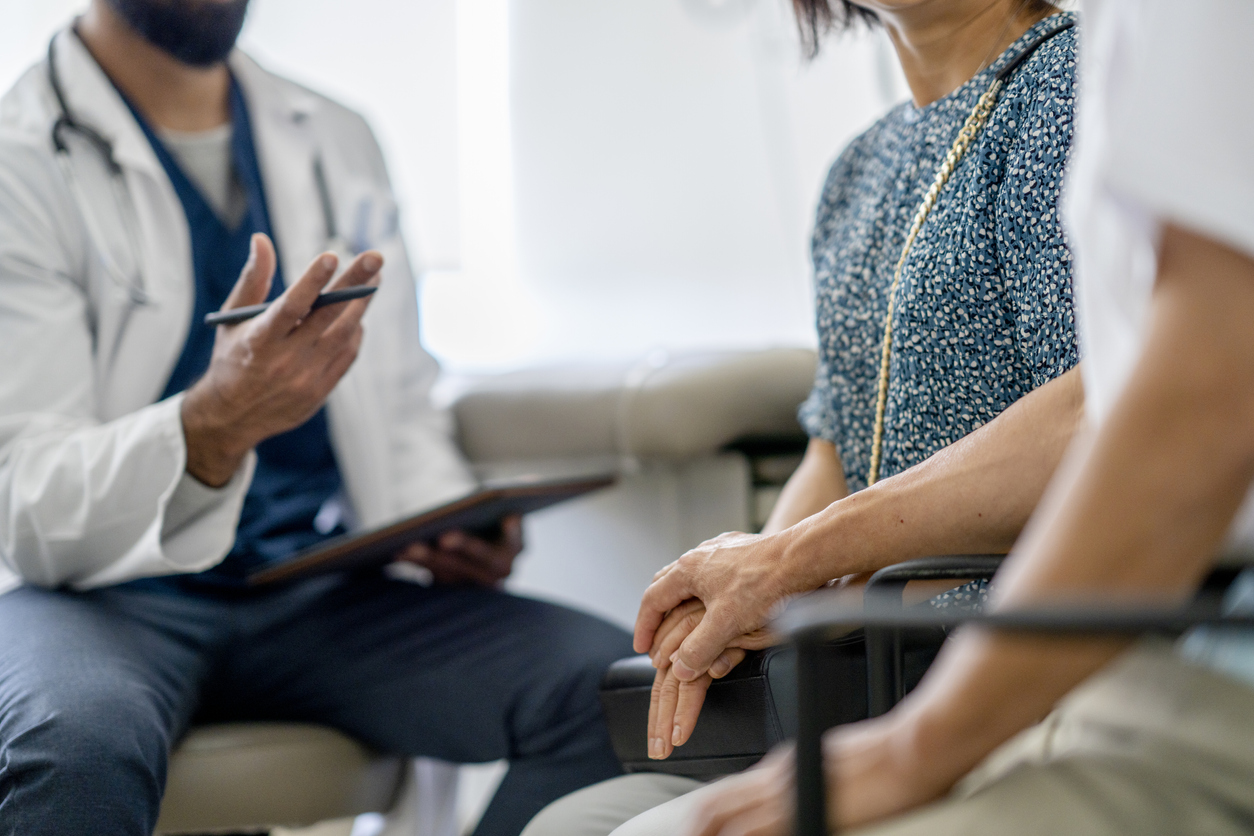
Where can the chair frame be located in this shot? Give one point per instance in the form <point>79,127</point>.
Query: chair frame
<point>818,617</point>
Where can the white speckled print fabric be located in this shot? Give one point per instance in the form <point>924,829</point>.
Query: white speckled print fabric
<point>984,312</point>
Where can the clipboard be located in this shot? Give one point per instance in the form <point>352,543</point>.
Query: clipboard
<point>480,511</point>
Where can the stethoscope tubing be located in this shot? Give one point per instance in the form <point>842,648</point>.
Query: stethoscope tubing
<point>134,284</point>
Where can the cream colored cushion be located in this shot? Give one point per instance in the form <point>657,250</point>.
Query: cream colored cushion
<point>665,406</point>
<point>237,776</point>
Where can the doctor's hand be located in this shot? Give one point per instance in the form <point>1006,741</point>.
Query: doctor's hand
<point>272,373</point>
<point>459,558</point>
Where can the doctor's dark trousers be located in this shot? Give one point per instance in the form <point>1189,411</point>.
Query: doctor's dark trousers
<point>97,687</point>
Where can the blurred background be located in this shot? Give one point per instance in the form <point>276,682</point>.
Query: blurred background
<point>591,182</point>
<point>580,178</point>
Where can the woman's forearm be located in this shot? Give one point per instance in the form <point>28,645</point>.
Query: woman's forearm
<point>974,496</point>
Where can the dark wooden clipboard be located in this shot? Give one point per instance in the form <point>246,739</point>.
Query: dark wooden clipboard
<point>479,511</point>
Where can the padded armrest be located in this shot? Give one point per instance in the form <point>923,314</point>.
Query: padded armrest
<point>665,406</point>
<point>738,722</point>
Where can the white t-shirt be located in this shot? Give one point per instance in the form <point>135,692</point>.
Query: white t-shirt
<point>205,157</point>
<point>1164,133</point>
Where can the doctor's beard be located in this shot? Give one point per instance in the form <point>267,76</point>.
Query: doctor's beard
<point>196,32</point>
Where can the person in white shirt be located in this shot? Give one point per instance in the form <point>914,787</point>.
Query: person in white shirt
<point>150,174</point>
<point>1157,738</point>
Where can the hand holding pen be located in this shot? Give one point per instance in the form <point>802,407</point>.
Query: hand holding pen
<point>235,316</point>
<point>272,373</point>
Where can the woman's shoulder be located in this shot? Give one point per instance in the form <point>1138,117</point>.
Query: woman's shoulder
<point>863,150</point>
<point>1051,67</point>
<point>1036,110</point>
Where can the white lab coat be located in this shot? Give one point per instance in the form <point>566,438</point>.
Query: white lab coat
<point>92,484</point>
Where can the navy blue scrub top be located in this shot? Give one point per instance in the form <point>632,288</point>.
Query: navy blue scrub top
<point>296,472</point>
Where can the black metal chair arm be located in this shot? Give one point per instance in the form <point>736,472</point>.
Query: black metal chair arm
<point>885,656</point>
<point>812,619</point>
<point>951,567</point>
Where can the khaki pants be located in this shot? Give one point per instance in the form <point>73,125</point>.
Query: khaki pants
<point>1151,745</point>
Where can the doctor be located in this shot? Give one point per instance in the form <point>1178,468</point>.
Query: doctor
<point>150,174</point>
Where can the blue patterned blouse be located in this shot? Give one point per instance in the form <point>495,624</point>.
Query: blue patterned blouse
<point>984,312</point>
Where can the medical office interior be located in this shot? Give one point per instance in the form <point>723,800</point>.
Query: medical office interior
<point>595,195</point>
<point>609,205</point>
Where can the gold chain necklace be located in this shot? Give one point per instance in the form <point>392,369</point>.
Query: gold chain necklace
<point>970,130</point>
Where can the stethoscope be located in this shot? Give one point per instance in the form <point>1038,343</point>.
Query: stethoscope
<point>132,282</point>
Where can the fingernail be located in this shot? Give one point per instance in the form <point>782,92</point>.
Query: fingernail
<point>655,748</point>
<point>372,262</point>
<point>677,735</point>
<point>328,261</point>
<point>252,249</point>
<point>685,673</point>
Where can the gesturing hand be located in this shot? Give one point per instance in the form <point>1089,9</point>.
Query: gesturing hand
<point>674,705</point>
<point>459,558</point>
<point>272,373</point>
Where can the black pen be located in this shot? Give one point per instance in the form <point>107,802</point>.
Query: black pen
<point>331,297</point>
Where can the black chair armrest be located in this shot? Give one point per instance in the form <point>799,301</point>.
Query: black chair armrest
<point>884,651</point>
<point>812,619</point>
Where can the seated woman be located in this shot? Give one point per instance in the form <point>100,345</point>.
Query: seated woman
<point>946,391</point>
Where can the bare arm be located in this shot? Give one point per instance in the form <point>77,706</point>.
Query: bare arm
<point>974,496</point>
<point>816,483</point>
<point>1138,513</point>
<point>1140,516</point>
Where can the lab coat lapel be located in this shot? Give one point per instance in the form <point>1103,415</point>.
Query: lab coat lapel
<point>128,337</point>
<point>287,129</point>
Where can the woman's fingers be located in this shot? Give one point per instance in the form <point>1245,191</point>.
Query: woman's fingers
<point>728,659</point>
<point>663,682</point>
<point>676,627</point>
<point>716,630</point>
<point>688,709</point>
<point>757,640</point>
<point>663,595</point>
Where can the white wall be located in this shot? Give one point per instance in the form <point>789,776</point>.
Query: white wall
<point>579,178</point>
<point>667,157</point>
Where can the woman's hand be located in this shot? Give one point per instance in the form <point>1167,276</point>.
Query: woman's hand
<point>874,770</point>
<point>737,577</point>
<point>674,705</point>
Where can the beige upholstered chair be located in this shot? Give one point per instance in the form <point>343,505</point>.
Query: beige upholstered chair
<point>250,777</point>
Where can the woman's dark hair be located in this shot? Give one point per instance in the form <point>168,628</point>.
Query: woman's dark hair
<point>815,18</point>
